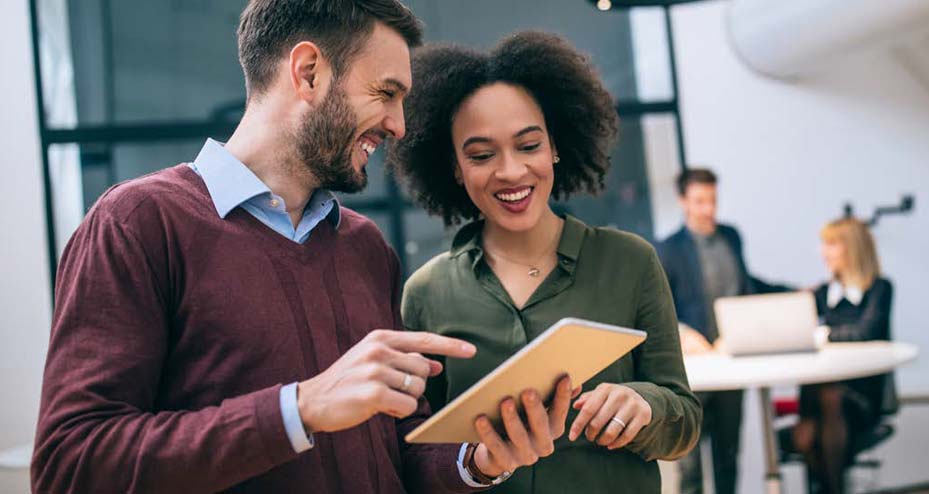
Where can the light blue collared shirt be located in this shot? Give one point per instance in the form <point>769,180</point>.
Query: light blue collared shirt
<point>232,184</point>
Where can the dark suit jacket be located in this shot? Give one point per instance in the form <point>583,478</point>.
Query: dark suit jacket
<point>681,262</point>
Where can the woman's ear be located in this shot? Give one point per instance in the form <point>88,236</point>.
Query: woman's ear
<point>458,178</point>
<point>555,157</point>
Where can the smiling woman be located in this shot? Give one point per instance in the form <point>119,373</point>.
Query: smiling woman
<point>492,138</point>
<point>504,164</point>
<point>578,113</point>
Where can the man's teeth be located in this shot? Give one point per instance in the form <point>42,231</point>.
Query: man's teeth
<point>368,148</point>
<point>515,196</point>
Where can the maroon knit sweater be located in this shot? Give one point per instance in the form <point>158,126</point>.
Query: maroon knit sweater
<point>173,332</point>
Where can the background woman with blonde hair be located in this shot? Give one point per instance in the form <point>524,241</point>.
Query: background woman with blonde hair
<point>855,305</point>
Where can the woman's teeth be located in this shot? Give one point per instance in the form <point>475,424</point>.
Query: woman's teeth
<point>368,148</point>
<point>515,196</point>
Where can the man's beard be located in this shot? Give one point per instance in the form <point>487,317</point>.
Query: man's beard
<point>325,143</point>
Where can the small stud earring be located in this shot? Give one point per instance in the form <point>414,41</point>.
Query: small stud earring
<point>557,158</point>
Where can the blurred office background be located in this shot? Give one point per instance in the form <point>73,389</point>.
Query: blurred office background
<point>797,125</point>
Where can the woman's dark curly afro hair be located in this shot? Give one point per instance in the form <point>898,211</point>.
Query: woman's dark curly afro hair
<point>579,113</point>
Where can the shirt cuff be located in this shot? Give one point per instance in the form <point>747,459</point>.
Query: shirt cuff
<point>465,476</point>
<point>290,413</point>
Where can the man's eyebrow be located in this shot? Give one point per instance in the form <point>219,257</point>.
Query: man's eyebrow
<point>396,84</point>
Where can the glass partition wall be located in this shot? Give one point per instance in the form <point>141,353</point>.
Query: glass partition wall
<point>129,87</point>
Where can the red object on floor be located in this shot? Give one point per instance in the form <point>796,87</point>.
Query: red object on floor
<point>786,406</point>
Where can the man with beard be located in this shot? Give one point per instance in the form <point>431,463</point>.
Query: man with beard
<point>225,325</point>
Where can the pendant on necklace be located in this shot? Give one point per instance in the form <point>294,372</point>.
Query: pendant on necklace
<point>534,272</point>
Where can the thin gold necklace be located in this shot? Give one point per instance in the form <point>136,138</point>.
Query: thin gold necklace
<point>534,271</point>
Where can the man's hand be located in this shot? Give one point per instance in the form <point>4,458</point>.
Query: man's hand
<point>526,442</point>
<point>384,373</point>
<point>821,335</point>
<point>692,342</point>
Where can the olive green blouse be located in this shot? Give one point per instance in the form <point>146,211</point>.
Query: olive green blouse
<point>603,275</point>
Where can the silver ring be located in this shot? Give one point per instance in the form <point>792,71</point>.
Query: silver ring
<point>407,381</point>
<point>618,421</point>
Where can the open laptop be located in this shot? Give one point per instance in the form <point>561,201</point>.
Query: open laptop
<point>775,323</point>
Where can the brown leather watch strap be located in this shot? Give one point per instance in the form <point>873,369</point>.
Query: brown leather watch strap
<point>472,468</point>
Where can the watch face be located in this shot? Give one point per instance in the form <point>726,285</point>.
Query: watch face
<point>503,476</point>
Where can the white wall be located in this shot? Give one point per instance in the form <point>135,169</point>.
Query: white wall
<point>790,155</point>
<point>25,301</point>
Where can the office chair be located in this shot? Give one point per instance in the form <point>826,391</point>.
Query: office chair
<point>861,443</point>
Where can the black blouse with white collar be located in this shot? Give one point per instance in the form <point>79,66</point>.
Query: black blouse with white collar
<point>869,319</point>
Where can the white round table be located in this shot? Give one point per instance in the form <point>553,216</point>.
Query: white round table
<point>834,362</point>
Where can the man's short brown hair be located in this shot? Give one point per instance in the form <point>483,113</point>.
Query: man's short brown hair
<point>694,176</point>
<point>267,28</point>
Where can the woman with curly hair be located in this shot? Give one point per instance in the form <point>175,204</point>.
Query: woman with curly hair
<point>491,137</point>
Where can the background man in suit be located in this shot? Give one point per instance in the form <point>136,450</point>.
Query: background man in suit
<point>703,261</point>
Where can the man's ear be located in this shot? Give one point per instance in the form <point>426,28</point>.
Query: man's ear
<point>309,72</point>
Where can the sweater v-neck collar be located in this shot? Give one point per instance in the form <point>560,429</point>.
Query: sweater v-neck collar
<point>318,247</point>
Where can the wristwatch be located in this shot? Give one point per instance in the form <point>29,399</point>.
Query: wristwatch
<point>309,436</point>
<point>476,473</point>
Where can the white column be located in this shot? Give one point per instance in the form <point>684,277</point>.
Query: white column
<point>25,297</point>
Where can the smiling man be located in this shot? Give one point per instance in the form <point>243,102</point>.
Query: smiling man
<point>225,325</point>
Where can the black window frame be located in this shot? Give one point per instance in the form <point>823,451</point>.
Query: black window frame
<point>394,204</point>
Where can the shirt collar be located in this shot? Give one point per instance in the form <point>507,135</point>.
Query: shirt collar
<point>572,237</point>
<point>837,291</point>
<point>468,239</point>
<point>701,238</point>
<point>231,183</point>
